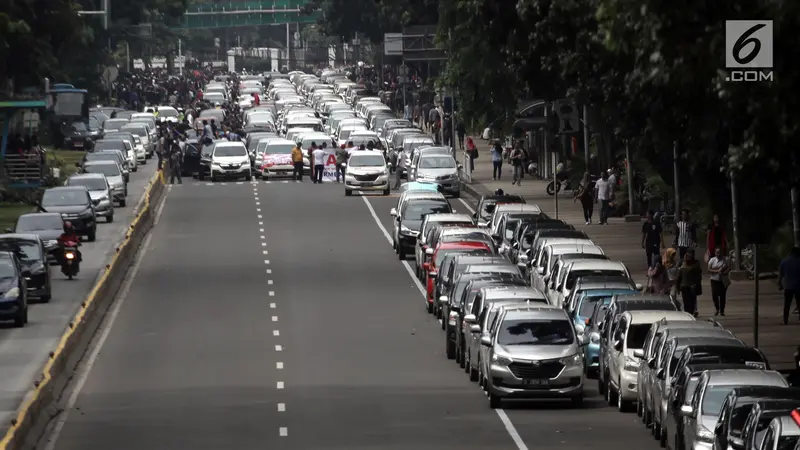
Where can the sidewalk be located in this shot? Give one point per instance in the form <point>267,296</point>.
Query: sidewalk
<point>621,241</point>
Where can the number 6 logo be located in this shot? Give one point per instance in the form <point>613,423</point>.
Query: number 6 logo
<point>745,40</point>
<point>748,44</point>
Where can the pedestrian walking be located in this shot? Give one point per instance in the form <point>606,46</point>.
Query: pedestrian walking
<point>602,194</point>
<point>657,279</point>
<point>497,161</point>
<point>716,238</point>
<point>685,235</point>
<point>518,164</point>
<point>690,282</point>
<point>671,266</point>
<point>342,155</point>
<point>718,270</point>
<point>585,193</point>
<point>319,163</point>
<point>398,171</point>
<point>461,131</point>
<point>310,154</point>
<point>175,163</point>
<point>789,281</point>
<point>652,238</point>
<point>472,152</point>
<point>297,163</point>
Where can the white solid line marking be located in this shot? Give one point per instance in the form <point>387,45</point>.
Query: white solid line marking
<point>279,365</point>
<point>272,293</point>
<point>273,305</point>
<point>223,184</point>
<point>510,429</point>
<point>281,407</point>
<point>160,209</point>
<point>276,332</point>
<point>269,281</point>
<point>285,181</point>
<point>466,205</point>
<point>274,318</point>
<point>209,184</point>
<point>269,271</point>
<point>280,384</point>
<point>283,430</point>
<point>266,261</point>
<point>112,317</point>
<point>278,348</point>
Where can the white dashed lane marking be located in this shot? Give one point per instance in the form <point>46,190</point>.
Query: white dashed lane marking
<point>284,431</point>
<point>281,407</point>
<point>278,348</point>
<point>273,305</point>
<point>276,332</point>
<point>279,365</point>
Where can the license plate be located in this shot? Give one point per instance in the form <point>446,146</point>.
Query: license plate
<point>367,183</point>
<point>537,382</point>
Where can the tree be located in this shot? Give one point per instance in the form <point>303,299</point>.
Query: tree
<point>373,18</point>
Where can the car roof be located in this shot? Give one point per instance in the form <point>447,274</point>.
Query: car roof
<point>649,317</point>
<point>502,292</point>
<point>597,264</point>
<point>278,141</point>
<point>738,377</point>
<point>23,236</point>
<point>517,207</point>
<point>66,188</point>
<point>448,217</point>
<point>228,144</point>
<point>43,213</point>
<point>100,162</point>
<point>574,246</point>
<point>533,310</point>
<point>462,245</point>
<point>686,341</point>
<point>463,230</point>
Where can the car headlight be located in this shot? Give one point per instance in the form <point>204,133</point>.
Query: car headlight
<point>631,365</point>
<point>501,360</point>
<point>705,435</point>
<point>12,293</point>
<point>572,360</point>
<point>51,243</point>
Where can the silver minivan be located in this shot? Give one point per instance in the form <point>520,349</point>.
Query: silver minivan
<point>113,173</point>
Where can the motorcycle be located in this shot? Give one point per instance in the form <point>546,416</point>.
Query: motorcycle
<point>562,181</point>
<point>70,265</point>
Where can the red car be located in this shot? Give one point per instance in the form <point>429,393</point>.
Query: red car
<point>442,250</point>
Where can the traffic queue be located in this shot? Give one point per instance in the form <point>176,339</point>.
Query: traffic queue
<point>65,215</point>
<point>530,307</point>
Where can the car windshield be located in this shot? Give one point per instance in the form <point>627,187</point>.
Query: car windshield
<point>109,145</point>
<point>109,170</point>
<point>575,274</point>
<point>437,162</point>
<point>636,334</point>
<point>441,255</point>
<point>279,149</point>
<point>535,332</point>
<point>93,183</point>
<point>64,197</point>
<point>39,222</point>
<point>589,302</point>
<point>367,161</point>
<point>714,397</point>
<point>25,249</point>
<point>139,131</point>
<point>114,124</point>
<point>78,126</point>
<point>474,236</point>
<point>417,210</point>
<point>7,269</point>
<point>167,113</point>
<point>487,209</point>
<point>230,150</point>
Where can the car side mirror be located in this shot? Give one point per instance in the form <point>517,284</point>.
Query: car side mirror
<point>687,411</point>
<point>474,328</point>
<point>393,212</point>
<point>660,374</point>
<point>638,354</point>
<point>426,266</point>
<point>470,318</point>
<point>736,443</point>
<point>486,341</point>
<point>429,251</point>
<point>618,345</point>
<point>77,164</point>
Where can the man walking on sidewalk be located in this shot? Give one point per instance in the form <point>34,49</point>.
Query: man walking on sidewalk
<point>602,193</point>
<point>652,238</point>
<point>685,235</point>
<point>789,281</point>
<point>518,164</point>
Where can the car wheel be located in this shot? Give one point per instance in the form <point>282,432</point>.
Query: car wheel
<point>110,218</point>
<point>348,193</point>
<point>387,192</point>
<point>429,307</point>
<point>45,298</point>
<point>662,437</point>
<point>457,195</point>
<point>639,409</point>
<point>656,430</point>
<point>601,387</point>
<point>473,373</point>
<point>200,175</point>
<point>122,203</point>
<point>622,404</point>
<point>611,395</point>
<point>401,253</point>
<point>92,235</point>
<point>144,162</point>
<point>577,400</point>
<point>248,177</point>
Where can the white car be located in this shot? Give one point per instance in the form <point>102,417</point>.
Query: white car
<point>230,160</point>
<point>366,171</point>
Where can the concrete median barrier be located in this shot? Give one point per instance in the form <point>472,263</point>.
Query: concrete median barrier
<point>41,403</point>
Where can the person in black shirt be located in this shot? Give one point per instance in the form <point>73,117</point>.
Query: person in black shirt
<point>652,238</point>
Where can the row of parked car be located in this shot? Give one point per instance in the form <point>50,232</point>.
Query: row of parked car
<point>532,308</point>
<point>31,247</point>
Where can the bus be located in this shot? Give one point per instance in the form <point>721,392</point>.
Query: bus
<point>66,105</point>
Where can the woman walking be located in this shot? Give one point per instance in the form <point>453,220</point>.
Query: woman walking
<point>671,267</point>
<point>584,194</point>
<point>716,238</point>
<point>689,282</point>
<point>497,161</point>
<point>718,269</point>
<point>472,152</point>
<point>657,277</point>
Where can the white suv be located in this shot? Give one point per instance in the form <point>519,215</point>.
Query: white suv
<point>230,160</point>
<point>366,171</point>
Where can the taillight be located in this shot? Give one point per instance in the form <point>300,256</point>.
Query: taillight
<point>796,416</point>
<point>69,255</point>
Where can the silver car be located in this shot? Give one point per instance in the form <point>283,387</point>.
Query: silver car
<point>439,169</point>
<point>113,173</point>
<point>99,190</point>
<point>700,417</point>
<point>366,171</point>
<point>533,352</point>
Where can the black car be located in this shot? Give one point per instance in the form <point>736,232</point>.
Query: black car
<point>29,250</point>
<point>191,158</point>
<point>75,205</point>
<point>48,226</point>
<point>77,136</point>
<point>13,291</point>
<point>486,205</point>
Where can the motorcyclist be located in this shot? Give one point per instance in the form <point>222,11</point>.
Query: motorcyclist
<point>69,236</point>
<point>499,192</point>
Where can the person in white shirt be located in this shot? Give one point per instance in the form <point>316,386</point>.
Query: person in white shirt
<point>602,193</point>
<point>319,163</point>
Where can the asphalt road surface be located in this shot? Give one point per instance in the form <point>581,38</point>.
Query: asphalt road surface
<point>24,351</point>
<point>276,315</point>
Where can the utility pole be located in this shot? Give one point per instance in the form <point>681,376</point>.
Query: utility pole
<point>629,165</point>
<point>737,251</point>
<point>795,196</point>
<point>586,137</point>
<point>675,179</point>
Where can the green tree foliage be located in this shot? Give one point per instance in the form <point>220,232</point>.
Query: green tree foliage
<point>655,71</point>
<point>373,18</point>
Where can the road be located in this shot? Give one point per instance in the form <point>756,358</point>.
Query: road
<point>276,315</point>
<point>24,351</point>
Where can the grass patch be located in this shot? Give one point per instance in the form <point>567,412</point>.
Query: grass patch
<point>9,213</point>
<point>65,159</point>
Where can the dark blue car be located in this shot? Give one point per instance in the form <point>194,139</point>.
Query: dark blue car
<point>13,290</point>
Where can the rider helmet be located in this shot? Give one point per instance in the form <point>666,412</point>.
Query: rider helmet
<point>499,192</point>
<point>68,227</point>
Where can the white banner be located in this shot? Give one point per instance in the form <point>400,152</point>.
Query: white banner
<point>329,172</point>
